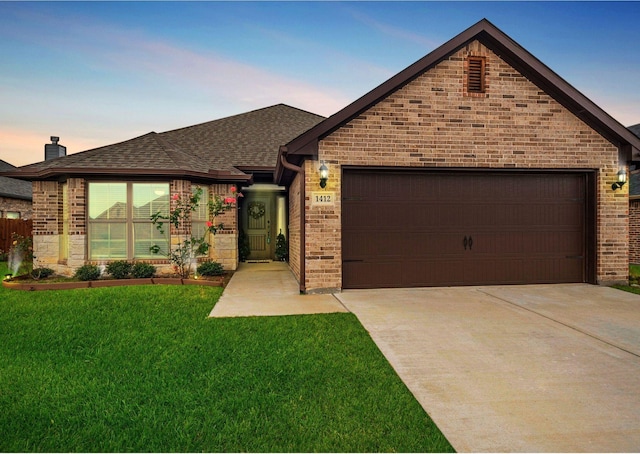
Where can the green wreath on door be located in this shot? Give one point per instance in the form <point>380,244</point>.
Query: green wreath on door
<point>256,210</point>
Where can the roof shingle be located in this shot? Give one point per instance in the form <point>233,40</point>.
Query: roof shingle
<point>213,149</point>
<point>12,188</point>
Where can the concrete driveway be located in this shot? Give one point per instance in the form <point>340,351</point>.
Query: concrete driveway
<point>539,368</point>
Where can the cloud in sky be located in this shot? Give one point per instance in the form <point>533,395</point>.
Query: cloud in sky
<point>164,77</point>
<point>394,32</point>
<point>96,74</point>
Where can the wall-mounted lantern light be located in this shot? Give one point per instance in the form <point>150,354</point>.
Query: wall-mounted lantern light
<point>324,175</point>
<point>622,179</point>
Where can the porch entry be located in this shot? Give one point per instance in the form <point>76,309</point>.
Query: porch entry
<point>262,218</point>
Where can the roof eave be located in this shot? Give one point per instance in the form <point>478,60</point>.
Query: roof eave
<point>48,173</point>
<point>16,196</point>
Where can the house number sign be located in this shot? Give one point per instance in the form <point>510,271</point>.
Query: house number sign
<point>323,198</point>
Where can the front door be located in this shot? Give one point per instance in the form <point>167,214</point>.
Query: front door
<point>257,222</point>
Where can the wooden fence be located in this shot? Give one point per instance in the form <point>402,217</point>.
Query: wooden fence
<point>10,226</point>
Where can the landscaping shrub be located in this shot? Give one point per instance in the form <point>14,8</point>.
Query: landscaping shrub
<point>282,248</point>
<point>41,273</point>
<point>210,269</point>
<point>87,273</point>
<point>142,270</point>
<point>119,269</point>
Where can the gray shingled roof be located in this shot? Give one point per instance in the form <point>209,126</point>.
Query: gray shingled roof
<point>12,188</point>
<point>213,150</point>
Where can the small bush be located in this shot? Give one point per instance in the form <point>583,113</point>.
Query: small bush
<point>87,273</point>
<point>210,269</point>
<point>41,273</point>
<point>119,269</point>
<point>282,248</point>
<point>143,270</point>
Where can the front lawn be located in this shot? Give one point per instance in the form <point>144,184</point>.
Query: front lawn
<point>143,369</point>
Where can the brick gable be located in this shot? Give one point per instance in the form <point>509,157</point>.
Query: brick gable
<point>431,122</point>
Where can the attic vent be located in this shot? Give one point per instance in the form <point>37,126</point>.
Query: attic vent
<point>475,75</point>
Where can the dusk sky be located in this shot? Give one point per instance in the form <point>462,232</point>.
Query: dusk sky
<point>97,73</point>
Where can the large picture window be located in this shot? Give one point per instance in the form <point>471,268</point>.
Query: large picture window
<point>120,226</point>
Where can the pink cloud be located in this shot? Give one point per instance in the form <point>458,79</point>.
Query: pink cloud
<point>20,147</point>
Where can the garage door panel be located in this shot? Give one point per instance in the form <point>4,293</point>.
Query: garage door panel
<point>425,273</point>
<point>379,245</point>
<point>433,245</point>
<point>363,274</point>
<point>520,228</point>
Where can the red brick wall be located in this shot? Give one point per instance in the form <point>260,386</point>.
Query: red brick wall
<point>294,226</point>
<point>634,231</point>
<point>45,207</point>
<point>432,122</point>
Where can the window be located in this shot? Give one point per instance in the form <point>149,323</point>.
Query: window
<point>475,75</point>
<point>200,216</point>
<point>12,214</point>
<point>120,225</point>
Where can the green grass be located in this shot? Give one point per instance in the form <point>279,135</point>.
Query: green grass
<point>143,369</point>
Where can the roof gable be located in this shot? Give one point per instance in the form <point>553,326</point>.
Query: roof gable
<point>513,54</point>
<point>4,165</point>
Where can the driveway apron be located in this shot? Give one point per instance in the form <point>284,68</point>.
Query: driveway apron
<point>537,368</point>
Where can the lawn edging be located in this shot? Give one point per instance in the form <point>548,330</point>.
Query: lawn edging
<point>33,286</point>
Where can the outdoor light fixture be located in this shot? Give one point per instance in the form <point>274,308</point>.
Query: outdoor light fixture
<point>8,276</point>
<point>324,175</point>
<point>622,179</point>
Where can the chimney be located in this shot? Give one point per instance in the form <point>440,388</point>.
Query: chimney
<point>53,150</point>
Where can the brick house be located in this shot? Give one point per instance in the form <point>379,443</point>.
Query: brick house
<point>634,209</point>
<point>475,165</point>
<point>95,206</point>
<point>15,195</point>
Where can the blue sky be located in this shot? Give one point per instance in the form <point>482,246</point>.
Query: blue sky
<point>96,73</point>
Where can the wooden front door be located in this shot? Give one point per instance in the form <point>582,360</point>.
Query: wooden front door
<point>258,224</point>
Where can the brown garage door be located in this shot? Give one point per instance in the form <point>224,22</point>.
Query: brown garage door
<point>410,229</point>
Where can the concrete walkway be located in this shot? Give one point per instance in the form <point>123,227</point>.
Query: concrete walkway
<point>262,289</point>
<point>539,368</point>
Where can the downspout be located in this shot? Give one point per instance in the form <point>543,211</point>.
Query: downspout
<point>300,171</point>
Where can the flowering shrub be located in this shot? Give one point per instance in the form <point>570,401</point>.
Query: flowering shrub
<point>189,247</point>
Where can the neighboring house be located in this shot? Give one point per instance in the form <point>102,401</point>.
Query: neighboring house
<point>15,195</point>
<point>475,165</point>
<point>634,209</point>
<point>95,206</point>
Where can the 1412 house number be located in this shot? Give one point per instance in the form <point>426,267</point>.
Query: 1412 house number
<point>322,198</point>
